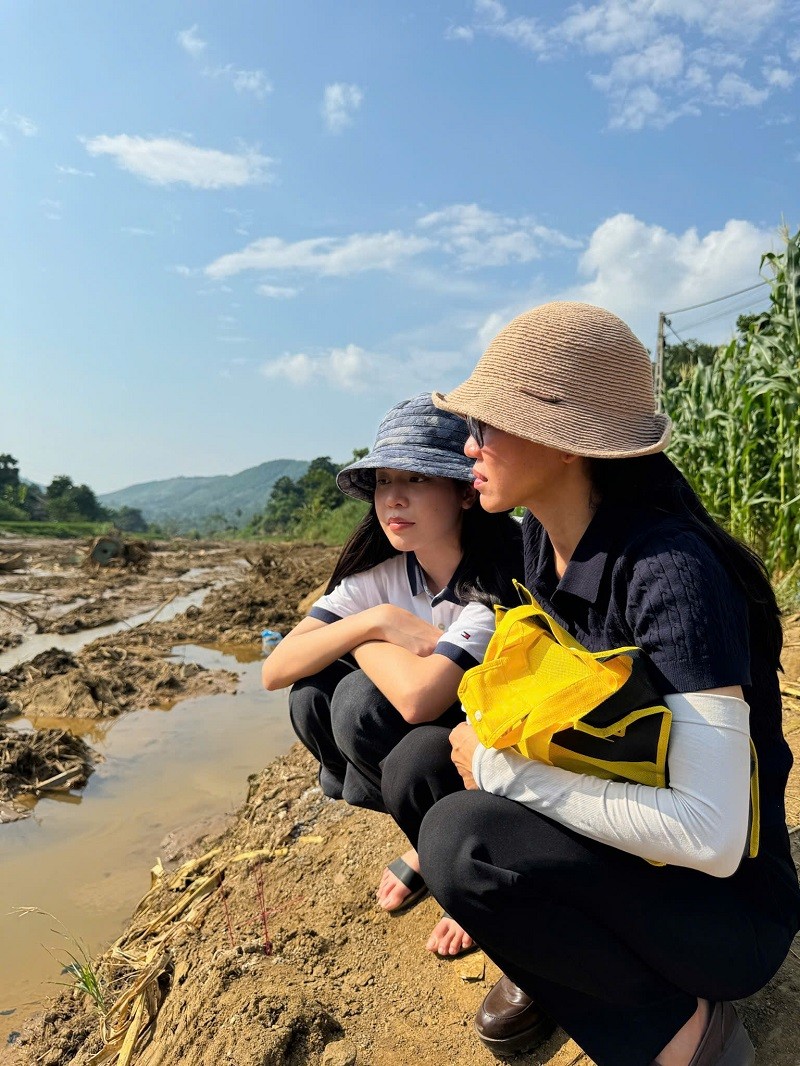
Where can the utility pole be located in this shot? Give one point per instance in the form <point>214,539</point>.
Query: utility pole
<point>658,378</point>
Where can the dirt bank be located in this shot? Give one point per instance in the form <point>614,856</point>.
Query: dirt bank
<point>264,946</point>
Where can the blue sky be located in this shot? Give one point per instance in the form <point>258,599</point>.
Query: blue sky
<point>240,232</point>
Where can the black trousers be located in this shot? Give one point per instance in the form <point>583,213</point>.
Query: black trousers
<point>350,727</point>
<point>617,950</point>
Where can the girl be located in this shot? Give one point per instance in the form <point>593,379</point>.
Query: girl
<point>406,611</point>
<point>637,962</point>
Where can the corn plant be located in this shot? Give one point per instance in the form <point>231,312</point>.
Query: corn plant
<point>737,423</point>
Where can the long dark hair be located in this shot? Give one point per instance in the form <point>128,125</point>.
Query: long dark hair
<point>654,481</point>
<point>491,546</point>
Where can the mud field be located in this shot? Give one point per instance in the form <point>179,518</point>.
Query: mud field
<point>264,945</point>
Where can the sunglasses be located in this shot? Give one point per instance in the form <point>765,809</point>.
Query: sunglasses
<point>476,429</point>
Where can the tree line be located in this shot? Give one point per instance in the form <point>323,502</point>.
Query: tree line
<point>312,505</point>
<point>61,501</point>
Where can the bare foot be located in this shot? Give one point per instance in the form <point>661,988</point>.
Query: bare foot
<point>681,1048</point>
<point>391,892</point>
<point>448,938</point>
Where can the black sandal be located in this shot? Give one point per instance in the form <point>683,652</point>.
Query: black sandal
<point>413,881</point>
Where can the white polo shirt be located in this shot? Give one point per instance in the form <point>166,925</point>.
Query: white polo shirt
<point>466,629</point>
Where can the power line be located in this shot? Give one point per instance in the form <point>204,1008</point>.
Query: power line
<point>665,323</point>
<point>717,299</point>
<point>722,314</point>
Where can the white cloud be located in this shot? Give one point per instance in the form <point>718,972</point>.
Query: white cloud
<point>734,91</point>
<point>492,19</point>
<point>19,123</point>
<point>637,270</point>
<point>191,42</point>
<point>779,76</point>
<point>662,56</point>
<point>466,234</point>
<point>138,231</point>
<point>277,292</point>
<point>659,62</point>
<point>74,172</point>
<point>254,82</point>
<point>350,369</point>
<point>333,256</point>
<point>479,238</point>
<point>167,161</point>
<point>459,33</point>
<point>339,104</point>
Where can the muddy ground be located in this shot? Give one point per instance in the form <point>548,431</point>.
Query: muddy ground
<point>263,945</point>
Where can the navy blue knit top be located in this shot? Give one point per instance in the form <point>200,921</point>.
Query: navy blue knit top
<point>651,579</point>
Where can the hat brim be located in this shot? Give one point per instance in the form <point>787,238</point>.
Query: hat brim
<point>358,480</point>
<point>610,434</point>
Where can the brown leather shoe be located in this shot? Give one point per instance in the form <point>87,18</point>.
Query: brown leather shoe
<point>509,1021</point>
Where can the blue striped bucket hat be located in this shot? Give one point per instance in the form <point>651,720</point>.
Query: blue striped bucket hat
<point>414,435</point>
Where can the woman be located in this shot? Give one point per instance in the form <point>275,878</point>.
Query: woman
<point>637,962</point>
<point>406,612</point>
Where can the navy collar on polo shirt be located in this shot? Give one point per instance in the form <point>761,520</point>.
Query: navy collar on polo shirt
<point>585,569</point>
<point>416,581</point>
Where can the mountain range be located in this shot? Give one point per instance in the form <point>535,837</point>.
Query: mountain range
<point>187,499</point>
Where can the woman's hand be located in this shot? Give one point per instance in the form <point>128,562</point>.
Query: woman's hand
<point>464,741</point>
<point>395,625</point>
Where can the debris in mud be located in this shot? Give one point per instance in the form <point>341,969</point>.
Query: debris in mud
<point>9,640</point>
<point>107,678</point>
<point>270,594</point>
<point>10,563</point>
<point>46,760</point>
<point>111,550</point>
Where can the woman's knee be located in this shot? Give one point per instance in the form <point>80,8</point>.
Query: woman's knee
<point>454,850</point>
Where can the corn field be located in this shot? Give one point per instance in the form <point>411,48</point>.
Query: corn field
<point>737,423</point>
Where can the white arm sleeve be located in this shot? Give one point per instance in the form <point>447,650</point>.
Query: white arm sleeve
<point>699,821</point>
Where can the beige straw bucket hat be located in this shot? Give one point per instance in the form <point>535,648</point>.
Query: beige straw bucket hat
<point>568,375</point>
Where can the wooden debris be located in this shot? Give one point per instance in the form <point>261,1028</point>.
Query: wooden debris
<point>45,760</point>
<point>112,550</point>
<point>11,563</point>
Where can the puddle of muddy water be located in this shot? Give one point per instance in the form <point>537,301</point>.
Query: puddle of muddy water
<point>87,861</point>
<point>37,642</point>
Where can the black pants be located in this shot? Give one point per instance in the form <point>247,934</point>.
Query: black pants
<point>350,727</point>
<point>618,951</point>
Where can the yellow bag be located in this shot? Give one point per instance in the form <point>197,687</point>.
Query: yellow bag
<point>540,691</point>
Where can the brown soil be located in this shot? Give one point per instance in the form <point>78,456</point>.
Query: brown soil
<point>340,982</point>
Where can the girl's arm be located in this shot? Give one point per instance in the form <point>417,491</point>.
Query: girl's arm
<point>420,687</point>
<point>699,821</point>
<point>423,688</point>
<point>313,644</point>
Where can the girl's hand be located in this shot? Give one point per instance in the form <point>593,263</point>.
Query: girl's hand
<point>464,741</point>
<point>395,625</point>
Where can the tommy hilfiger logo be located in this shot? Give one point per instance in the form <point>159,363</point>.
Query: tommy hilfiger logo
<point>466,635</point>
